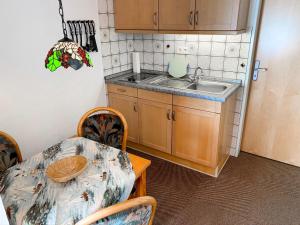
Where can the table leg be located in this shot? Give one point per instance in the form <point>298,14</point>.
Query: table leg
<point>141,185</point>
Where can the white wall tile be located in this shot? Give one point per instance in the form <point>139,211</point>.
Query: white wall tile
<point>204,48</point>
<point>192,60</point>
<point>159,58</point>
<point>123,46</point>
<point>204,62</point>
<point>169,47</point>
<point>244,50</point>
<point>231,64</point>
<point>113,35</point>
<point>103,20</point>
<point>218,49</point>
<point>114,48</point>
<point>111,20</point>
<point>232,50</point>
<point>169,37</point>
<point>148,58</point>
<point>192,37</point>
<point>147,36</point>
<point>215,73</point>
<point>242,69</point>
<point>105,49</point>
<point>104,35</point>
<point>107,62</point>
<point>148,46</point>
<point>102,6</point>
<point>180,37</point>
<point>123,59</point>
<point>234,38</point>
<point>115,60</point>
<point>217,63</point>
<point>110,6</point>
<point>192,48</point>
<point>130,45</point>
<point>205,38</point>
<point>158,46</point>
<point>138,45</point>
<point>219,38</point>
<point>167,58</point>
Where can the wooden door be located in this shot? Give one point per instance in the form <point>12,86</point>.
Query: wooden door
<point>221,14</point>
<point>155,125</point>
<point>176,15</point>
<point>128,107</point>
<point>195,135</point>
<point>136,14</point>
<point>272,126</point>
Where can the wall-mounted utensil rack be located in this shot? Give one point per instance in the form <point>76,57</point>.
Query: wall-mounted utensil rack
<point>83,32</point>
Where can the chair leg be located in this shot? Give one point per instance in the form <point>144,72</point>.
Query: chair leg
<point>141,185</point>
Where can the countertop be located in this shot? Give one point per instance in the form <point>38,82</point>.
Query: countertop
<point>115,79</point>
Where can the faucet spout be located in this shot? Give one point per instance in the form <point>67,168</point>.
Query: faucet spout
<point>195,79</point>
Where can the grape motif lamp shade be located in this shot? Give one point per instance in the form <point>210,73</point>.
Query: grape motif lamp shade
<point>66,52</point>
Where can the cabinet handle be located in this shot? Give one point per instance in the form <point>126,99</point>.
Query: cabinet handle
<point>196,17</point>
<point>191,18</point>
<point>155,18</point>
<point>134,107</point>
<point>169,114</point>
<point>173,116</point>
<point>121,90</point>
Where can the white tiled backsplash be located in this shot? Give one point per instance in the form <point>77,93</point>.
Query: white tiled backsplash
<point>219,55</point>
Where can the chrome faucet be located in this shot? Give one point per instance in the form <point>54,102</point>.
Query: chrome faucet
<point>195,79</point>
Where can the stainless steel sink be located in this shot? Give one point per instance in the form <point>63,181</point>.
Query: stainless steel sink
<point>212,87</point>
<point>203,86</point>
<point>173,83</point>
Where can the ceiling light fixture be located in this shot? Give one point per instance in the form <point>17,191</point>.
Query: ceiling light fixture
<point>66,52</point>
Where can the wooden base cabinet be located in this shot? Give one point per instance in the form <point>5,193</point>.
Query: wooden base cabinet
<point>192,132</point>
<point>155,125</point>
<point>127,105</point>
<point>195,135</point>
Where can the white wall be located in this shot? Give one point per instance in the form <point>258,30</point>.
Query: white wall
<point>37,107</point>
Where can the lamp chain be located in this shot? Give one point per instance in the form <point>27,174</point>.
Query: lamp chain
<point>61,13</point>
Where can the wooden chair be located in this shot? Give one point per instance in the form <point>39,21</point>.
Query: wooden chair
<point>139,211</point>
<point>107,128</point>
<point>9,152</point>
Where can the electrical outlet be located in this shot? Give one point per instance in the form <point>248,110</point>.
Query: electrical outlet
<point>182,50</point>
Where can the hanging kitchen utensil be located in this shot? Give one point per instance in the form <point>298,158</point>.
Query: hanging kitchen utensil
<point>80,32</point>
<point>71,29</point>
<point>66,52</point>
<point>76,31</point>
<point>87,45</point>
<point>93,43</point>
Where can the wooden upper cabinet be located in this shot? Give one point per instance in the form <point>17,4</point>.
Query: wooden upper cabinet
<point>155,125</point>
<point>128,107</point>
<point>221,15</point>
<point>136,14</point>
<point>195,135</point>
<point>176,15</point>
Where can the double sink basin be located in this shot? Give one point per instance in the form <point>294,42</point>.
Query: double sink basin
<point>216,87</point>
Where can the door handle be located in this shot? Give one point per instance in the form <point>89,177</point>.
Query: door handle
<point>155,18</point>
<point>196,17</point>
<point>173,116</point>
<point>257,69</point>
<point>169,114</point>
<point>191,17</point>
<point>134,107</point>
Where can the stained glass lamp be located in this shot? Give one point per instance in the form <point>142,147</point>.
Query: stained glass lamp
<point>66,52</point>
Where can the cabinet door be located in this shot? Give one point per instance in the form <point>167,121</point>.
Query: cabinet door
<point>128,107</point>
<point>176,15</point>
<point>221,14</point>
<point>195,135</point>
<point>136,14</point>
<point>155,125</point>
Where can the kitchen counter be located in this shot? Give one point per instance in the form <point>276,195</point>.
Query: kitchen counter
<point>118,79</point>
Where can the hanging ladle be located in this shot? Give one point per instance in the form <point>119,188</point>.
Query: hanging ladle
<point>86,30</point>
<point>80,31</point>
<point>71,29</point>
<point>93,43</point>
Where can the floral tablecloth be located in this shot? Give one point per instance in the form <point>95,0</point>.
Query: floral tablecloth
<point>30,197</point>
